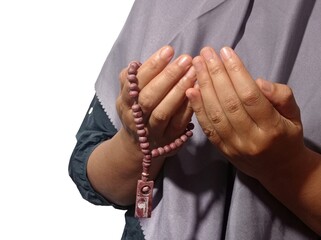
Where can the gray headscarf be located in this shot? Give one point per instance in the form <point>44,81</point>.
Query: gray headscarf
<point>199,195</point>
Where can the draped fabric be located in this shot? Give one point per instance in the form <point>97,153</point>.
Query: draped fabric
<point>199,195</point>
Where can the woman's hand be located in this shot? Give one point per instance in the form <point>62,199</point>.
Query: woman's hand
<point>116,164</point>
<point>257,125</point>
<point>162,97</point>
<point>256,133</point>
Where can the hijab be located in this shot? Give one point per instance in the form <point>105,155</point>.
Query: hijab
<point>199,195</point>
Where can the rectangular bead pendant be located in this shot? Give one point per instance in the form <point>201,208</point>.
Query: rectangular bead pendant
<point>144,196</point>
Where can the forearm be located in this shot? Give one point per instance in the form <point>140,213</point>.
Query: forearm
<point>115,166</point>
<point>299,188</point>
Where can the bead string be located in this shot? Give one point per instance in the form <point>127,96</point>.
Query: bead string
<point>144,191</point>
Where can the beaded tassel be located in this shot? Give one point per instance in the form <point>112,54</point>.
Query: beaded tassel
<point>144,189</point>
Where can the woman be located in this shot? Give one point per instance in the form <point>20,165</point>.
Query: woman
<point>252,168</point>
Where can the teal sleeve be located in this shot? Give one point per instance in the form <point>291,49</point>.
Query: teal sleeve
<point>95,128</point>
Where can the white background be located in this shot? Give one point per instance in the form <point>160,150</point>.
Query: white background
<point>51,53</point>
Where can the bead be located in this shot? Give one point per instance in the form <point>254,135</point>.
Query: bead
<point>135,65</point>
<point>144,145</point>
<point>184,138</point>
<point>145,187</point>
<point>133,94</point>
<point>155,153</point>
<point>132,78</point>
<point>146,165</point>
<point>190,126</point>
<point>173,146</point>
<point>132,70</point>
<point>136,107</point>
<point>145,174</point>
<point>145,151</point>
<point>137,114</point>
<point>161,150</point>
<point>141,132</point>
<point>167,148</point>
<point>140,126</point>
<point>147,158</point>
<point>189,133</point>
<point>178,142</point>
<point>133,87</point>
<point>142,139</point>
<point>138,120</point>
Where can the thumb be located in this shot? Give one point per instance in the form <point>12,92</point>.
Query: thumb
<point>281,97</point>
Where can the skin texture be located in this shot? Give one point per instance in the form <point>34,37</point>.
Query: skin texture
<point>257,126</point>
<point>112,170</point>
<point>140,125</point>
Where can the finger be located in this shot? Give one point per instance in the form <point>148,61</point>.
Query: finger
<point>168,107</point>
<point>154,65</point>
<point>146,72</point>
<point>195,99</point>
<point>231,117</point>
<point>123,78</point>
<point>179,121</point>
<point>282,98</point>
<point>253,101</point>
<point>154,92</point>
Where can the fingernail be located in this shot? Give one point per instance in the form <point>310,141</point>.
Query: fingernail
<point>208,54</point>
<point>166,53</point>
<point>197,64</point>
<point>266,85</point>
<point>226,53</point>
<point>190,73</point>
<point>189,93</point>
<point>184,61</point>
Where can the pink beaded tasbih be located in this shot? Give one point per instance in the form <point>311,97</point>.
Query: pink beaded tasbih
<point>144,186</point>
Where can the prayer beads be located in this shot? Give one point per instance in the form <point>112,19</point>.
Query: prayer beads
<point>145,186</point>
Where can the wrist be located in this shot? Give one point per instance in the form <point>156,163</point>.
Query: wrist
<point>127,143</point>
<point>286,172</point>
<point>133,153</point>
<point>297,187</point>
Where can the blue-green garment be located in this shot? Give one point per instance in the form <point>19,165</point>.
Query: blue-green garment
<point>95,128</point>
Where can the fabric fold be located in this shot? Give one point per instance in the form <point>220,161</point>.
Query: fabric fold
<point>196,197</point>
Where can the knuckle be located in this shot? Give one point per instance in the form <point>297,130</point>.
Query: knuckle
<point>284,93</point>
<point>153,64</point>
<point>254,150</point>
<point>216,70</point>
<point>159,116</point>
<point>287,93</point>
<point>250,149</point>
<point>180,87</point>
<point>212,136</point>
<point>209,133</point>
<point>215,117</point>
<point>170,73</point>
<point>122,76</point>
<point>250,97</point>
<point>232,104</point>
<point>198,110</point>
<point>203,84</point>
<point>145,102</point>
<point>276,122</point>
<point>177,126</point>
<point>235,67</point>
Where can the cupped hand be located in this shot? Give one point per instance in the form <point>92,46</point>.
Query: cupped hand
<point>256,124</point>
<point>162,85</point>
